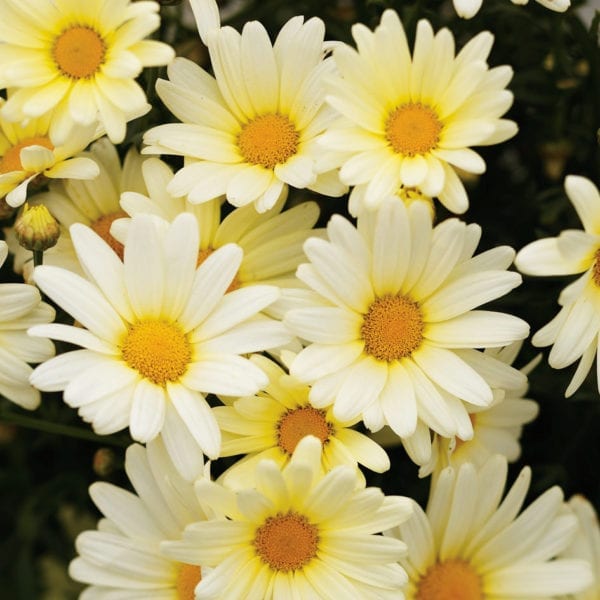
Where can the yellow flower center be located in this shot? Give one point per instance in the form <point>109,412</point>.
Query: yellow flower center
<point>158,350</point>
<point>11,161</point>
<point>268,140</point>
<point>450,580</point>
<point>79,51</point>
<point>392,328</point>
<point>203,255</point>
<point>413,128</point>
<point>187,579</point>
<point>299,422</point>
<point>102,227</point>
<point>596,268</point>
<point>286,542</point>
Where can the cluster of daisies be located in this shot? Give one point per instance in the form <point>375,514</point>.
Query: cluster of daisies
<point>212,319</point>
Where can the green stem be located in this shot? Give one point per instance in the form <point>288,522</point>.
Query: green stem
<point>60,429</point>
<point>38,257</point>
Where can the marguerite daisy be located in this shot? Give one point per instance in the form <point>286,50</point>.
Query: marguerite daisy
<point>94,203</point>
<point>393,308</point>
<point>271,241</point>
<point>79,59</point>
<point>271,423</point>
<point>573,333</point>
<point>297,533</point>
<point>20,308</point>
<point>158,333</point>
<point>469,8</point>
<point>407,121</point>
<point>252,130</point>
<point>472,546</point>
<point>122,558</point>
<point>29,151</point>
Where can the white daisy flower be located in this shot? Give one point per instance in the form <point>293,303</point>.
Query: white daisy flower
<point>270,424</point>
<point>271,241</point>
<point>407,121</point>
<point>573,333</point>
<point>586,545</point>
<point>392,319</point>
<point>496,428</point>
<point>469,8</point>
<point>297,534</point>
<point>79,59</point>
<point>122,558</point>
<point>20,308</point>
<point>472,546</point>
<point>94,203</point>
<point>29,152</point>
<point>158,334</point>
<point>250,131</point>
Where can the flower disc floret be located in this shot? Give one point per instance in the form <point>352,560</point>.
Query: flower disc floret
<point>79,52</point>
<point>450,580</point>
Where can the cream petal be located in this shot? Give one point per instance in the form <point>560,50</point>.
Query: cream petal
<point>147,412</point>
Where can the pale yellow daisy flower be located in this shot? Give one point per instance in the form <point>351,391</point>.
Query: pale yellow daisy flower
<point>158,334</point>
<point>94,203</point>
<point>297,533</point>
<point>470,544</point>
<point>392,316</point>
<point>573,332</point>
<point>271,423</point>
<point>250,131</point>
<point>29,152</point>
<point>409,120</point>
<point>122,558</point>
<point>20,308</point>
<point>469,8</point>
<point>79,59</point>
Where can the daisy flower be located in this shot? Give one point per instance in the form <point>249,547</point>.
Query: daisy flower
<point>393,305</point>
<point>297,533</point>
<point>29,152</point>
<point>270,424</point>
<point>573,332</point>
<point>407,121</point>
<point>79,59</point>
<point>158,333</point>
<point>496,428</point>
<point>271,241</point>
<point>122,558</point>
<point>20,308</point>
<point>469,8</point>
<point>94,203</point>
<point>470,545</point>
<point>586,545</point>
<point>252,130</point>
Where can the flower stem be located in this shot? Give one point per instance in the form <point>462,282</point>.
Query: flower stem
<point>38,257</point>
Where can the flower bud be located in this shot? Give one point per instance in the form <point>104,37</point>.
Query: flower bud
<point>36,229</point>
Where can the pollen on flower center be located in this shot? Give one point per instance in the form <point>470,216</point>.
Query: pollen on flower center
<point>413,128</point>
<point>203,255</point>
<point>268,140</point>
<point>392,328</point>
<point>102,227</point>
<point>11,161</point>
<point>158,350</point>
<point>450,580</point>
<point>286,542</point>
<point>79,52</point>
<point>187,579</point>
<point>596,268</point>
<point>300,422</point>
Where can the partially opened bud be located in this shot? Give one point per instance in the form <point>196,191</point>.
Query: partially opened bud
<point>36,229</point>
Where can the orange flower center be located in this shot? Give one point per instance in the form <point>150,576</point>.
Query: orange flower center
<point>187,579</point>
<point>286,542</point>
<point>158,350</point>
<point>413,128</point>
<point>203,255</point>
<point>79,51</point>
<point>392,328</point>
<point>11,161</point>
<point>450,580</point>
<point>102,227</point>
<point>268,140</point>
<point>299,422</point>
